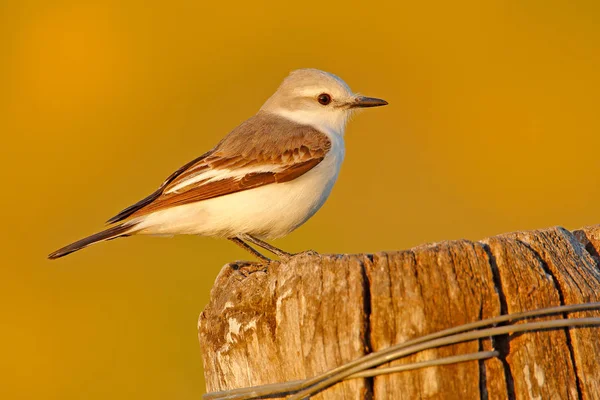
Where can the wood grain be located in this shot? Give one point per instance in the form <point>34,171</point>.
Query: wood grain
<point>295,320</point>
<point>290,322</point>
<point>427,289</point>
<point>529,358</point>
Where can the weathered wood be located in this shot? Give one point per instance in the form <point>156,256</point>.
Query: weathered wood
<point>298,319</point>
<point>289,322</point>
<point>525,285</point>
<point>422,291</point>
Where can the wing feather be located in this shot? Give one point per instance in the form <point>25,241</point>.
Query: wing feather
<point>211,189</point>
<point>263,150</point>
<point>124,214</point>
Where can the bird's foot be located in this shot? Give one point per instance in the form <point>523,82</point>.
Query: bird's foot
<point>247,268</point>
<point>289,256</point>
<point>308,253</point>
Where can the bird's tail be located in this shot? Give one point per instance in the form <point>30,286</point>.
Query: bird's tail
<point>108,234</point>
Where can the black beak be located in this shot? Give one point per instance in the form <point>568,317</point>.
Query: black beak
<point>363,102</point>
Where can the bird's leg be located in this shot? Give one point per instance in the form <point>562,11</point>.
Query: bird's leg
<point>265,245</point>
<point>248,248</point>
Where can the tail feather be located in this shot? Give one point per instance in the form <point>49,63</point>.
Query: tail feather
<point>108,234</point>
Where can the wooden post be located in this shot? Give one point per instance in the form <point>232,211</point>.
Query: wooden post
<point>298,319</point>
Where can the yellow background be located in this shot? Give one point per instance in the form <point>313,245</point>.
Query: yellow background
<point>493,126</point>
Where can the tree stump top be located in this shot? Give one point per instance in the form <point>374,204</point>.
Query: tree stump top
<point>297,319</point>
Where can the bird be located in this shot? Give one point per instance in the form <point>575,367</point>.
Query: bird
<point>263,180</point>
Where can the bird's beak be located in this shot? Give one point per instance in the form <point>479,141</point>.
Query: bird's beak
<point>363,102</point>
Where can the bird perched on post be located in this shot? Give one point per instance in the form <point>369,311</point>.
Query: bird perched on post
<point>263,180</point>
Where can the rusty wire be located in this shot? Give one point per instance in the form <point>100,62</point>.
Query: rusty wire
<point>366,366</point>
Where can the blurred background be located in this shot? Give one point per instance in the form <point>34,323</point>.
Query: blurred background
<point>493,126</point>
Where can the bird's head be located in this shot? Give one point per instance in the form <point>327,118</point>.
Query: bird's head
<point>319,99</point>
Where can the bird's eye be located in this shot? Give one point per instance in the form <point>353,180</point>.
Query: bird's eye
<point>324,99</point>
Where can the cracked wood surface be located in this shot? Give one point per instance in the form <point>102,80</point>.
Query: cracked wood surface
<point>295,320</point>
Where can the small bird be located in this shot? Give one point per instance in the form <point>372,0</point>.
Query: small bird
<point>262,181</point>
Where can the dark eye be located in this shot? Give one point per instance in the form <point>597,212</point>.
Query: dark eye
<point>324,99</point>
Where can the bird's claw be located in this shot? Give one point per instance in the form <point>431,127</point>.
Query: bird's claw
<point>289,256</point>
<point>247,268</point>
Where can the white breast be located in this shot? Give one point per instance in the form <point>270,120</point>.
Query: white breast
<point>269,211</point>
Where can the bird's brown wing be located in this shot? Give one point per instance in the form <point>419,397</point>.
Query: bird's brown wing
<point>264,150</point>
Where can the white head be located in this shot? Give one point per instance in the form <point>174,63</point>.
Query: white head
<point>317,98</point>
